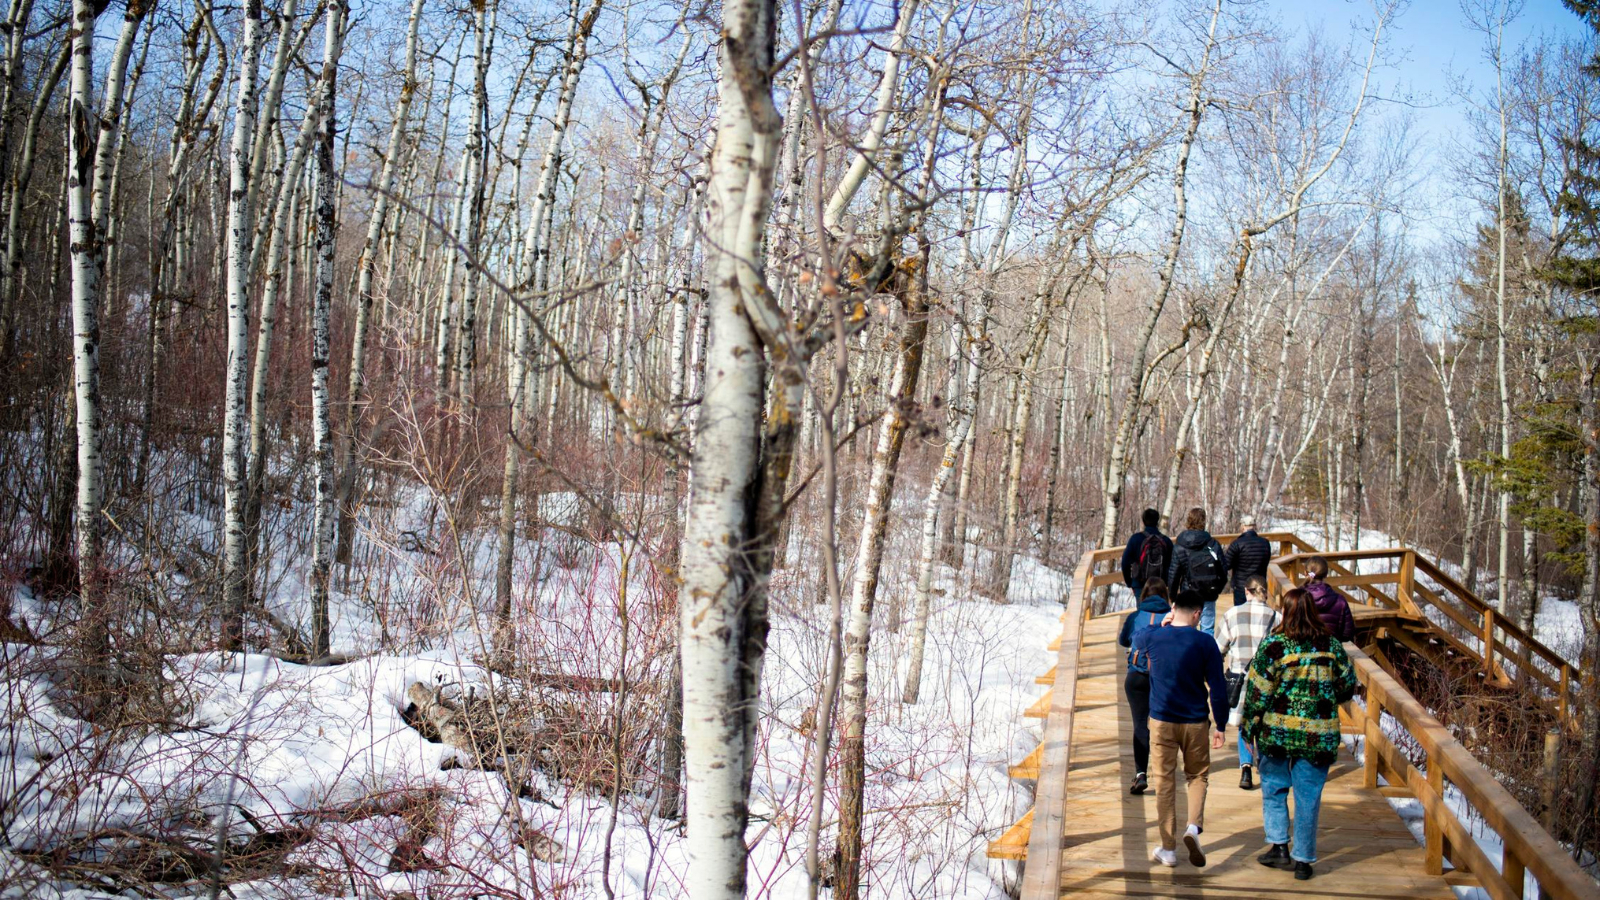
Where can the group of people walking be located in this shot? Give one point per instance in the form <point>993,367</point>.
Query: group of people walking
<point>1279,672</point>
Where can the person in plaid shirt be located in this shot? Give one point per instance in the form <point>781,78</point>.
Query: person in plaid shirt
<point>1239,632</point>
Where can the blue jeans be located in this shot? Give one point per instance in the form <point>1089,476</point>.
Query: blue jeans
<point>1208,617</point>
<point>1244,750</point>
<point>1278,776</point>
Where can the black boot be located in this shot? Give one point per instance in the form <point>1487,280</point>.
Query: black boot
<point>1302,871</point>
<point>1277,857</point>
<point>1246,783</point>
<point>1140,784</point>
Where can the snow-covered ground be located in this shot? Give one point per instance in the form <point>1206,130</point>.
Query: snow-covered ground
<point>258,744</point>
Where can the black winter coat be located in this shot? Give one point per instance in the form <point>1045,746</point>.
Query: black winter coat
<point>1135,546</point>
<point>1192,541</point>
<point>1248,555</point>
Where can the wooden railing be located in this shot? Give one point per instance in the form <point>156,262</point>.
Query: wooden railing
<point>1528,847</point>
<point>1413,586</point>
<point>1037,837</point>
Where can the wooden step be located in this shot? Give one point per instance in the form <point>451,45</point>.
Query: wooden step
<point>1055,644</point>
<point>1041,707</point>
<point>1047,678</point>
<point>1014,843</point>
<point>1029,767</point>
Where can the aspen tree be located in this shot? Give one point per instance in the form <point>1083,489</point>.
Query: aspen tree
<point>521,386</point>
<point>366,267</point>
<point>722,609</point>
<point>86,334</point>
<point>235,554</point>
<point>321,306</point>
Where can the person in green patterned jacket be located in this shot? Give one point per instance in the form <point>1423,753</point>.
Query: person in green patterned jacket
<point>1298,678</point>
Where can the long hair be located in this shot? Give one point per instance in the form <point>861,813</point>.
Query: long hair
<point>1298,619</point>
<point>1155,587</point>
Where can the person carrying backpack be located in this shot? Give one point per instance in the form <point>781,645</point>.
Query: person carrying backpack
<point>1199,565</point>
<point>1146,554</point>
<point>1153,607</point>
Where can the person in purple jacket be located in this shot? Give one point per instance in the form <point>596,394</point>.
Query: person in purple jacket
<point>1332,608</point>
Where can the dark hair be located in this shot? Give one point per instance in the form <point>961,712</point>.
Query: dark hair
<point>1155,587</point>
<point>1298,619</point>
<point>1196,520</point>
<point>1151,518</point>
<point>1317,568</point>
<point>1187,599</point>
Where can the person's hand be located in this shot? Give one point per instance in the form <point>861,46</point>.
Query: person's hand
<point>1217,740</point>
<point>1167,619</point>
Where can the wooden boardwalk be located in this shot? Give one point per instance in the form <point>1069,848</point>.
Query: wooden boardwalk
<point>1365,850</point>
<point>1087,837</point>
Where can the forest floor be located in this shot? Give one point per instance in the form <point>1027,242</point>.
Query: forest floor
<point>252,746</point>
<point>323,788</point>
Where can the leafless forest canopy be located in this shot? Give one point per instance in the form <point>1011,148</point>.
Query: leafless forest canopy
<point>390,312</point>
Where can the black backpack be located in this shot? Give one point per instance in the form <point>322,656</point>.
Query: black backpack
<point>1207,572</point>
<point>1152,562</point>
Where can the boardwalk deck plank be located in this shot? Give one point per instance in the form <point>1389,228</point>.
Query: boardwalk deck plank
<point>1366,851</point>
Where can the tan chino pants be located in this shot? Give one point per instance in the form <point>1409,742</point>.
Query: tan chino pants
<point>1170,742</point>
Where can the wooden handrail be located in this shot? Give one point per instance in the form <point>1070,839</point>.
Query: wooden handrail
<point>1472,615</point>
<point>1527,845</point>
<point>1041,876</point>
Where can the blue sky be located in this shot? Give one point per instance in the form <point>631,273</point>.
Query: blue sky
<point>1433,52</point>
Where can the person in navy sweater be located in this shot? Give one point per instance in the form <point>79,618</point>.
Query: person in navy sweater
<point>1188,693</point>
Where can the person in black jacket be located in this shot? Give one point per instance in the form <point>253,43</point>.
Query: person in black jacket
<point>1248,555</point>
<point>1141,563</point>
<point>1199,565</point>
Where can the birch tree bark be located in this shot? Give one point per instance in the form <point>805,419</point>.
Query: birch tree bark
<point>235,554</point>
<point>521,387</point>
<point>975,347</point>
<point>722,608</point>
<point>321,305</point>
<point>82,135</point>
<point>367,267</point>
<point>1133,404</point>
<point>486,14</point>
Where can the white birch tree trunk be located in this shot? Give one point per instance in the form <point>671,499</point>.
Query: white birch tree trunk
<point>975,347</point>
<point>722,609</point>
<point>235,554</point>
<point>367,267</point>
<point>321,305</point>
<point>83,132</point>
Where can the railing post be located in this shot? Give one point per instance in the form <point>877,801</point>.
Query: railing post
<point>1432,830</point>
<point>1561,694</point>
<point>1374,733</point>
<point>1511,869</point>
<point>1488,641</point>
<point>1408,578</point>
<point>1552,768</point>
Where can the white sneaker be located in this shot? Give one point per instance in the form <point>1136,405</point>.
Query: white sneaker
<point>1165,857</point>
<point>1191,840</point>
